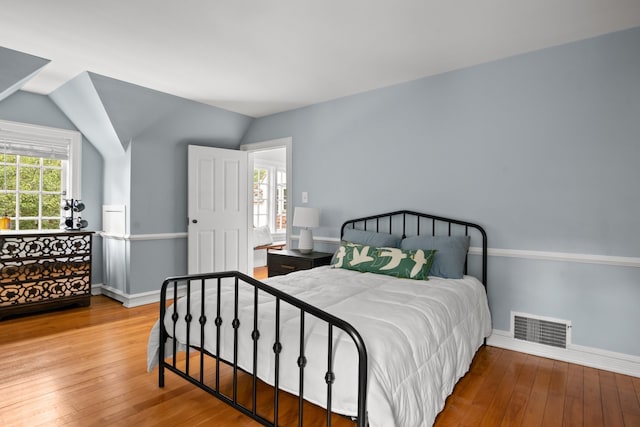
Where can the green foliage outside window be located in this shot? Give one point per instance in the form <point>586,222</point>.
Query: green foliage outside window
<point>35,204</point>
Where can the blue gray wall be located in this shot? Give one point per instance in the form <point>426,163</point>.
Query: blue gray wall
<point>39,110</point>
<point>159,186</point>
<point>159,162</point>
<point>541,149</point>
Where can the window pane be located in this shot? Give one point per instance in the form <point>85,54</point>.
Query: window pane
<point>261,221</point>
<point>281,201</point>
<point>25,160</point>
<point>52,180</point>
<point>8,204</point>
<point>28,224</point>
<point>260,174</point>
<point>260,185</point>
<point>52,162</point>
<point>260,197</point>
<point>50,224</point>
<point>9,158</point>
<point>29,205</point>
<point>29,178</point>
<point>10,172</point>
<point>51,204</point>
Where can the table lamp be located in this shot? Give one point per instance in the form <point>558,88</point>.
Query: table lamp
<point>306,218</point>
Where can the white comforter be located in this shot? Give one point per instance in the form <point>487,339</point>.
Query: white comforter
<point>420,336</point>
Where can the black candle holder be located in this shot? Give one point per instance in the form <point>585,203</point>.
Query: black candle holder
<point>73,220</point>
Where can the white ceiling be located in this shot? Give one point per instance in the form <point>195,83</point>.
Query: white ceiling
<point>259,57</point>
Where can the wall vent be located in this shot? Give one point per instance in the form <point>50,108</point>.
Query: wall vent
<point>553,332</point>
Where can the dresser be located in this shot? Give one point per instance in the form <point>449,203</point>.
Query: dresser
<point>44,270</point>
<point>286,261</point>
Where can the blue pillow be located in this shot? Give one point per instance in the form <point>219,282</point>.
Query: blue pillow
<point>449,261</point>
<point>371,238</point>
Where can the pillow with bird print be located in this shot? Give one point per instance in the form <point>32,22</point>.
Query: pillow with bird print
<point>406,264</point>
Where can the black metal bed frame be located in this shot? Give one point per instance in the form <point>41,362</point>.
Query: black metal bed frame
<point>173,287</point>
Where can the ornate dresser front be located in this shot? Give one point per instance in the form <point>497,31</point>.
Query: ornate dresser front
<point>44,270</point>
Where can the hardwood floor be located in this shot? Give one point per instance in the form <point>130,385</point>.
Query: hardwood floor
<point>260,273</point>
<point>87,367</point>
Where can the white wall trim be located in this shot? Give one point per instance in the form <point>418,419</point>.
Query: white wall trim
<point>96,288</point>
<point>130,301</point>
<point>587,356</point>
<point>319,239</point>
<point>561,256</point>
<point>492,252</point>
<point>134,300</point>
<point>159,236</point>
<point>131,237</point>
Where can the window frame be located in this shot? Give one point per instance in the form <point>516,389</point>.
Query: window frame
<point>257,214</point>
<point>43,135</point>
<point>273,170</point>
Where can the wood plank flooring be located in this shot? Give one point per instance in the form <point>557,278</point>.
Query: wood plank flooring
<point>87,367</point>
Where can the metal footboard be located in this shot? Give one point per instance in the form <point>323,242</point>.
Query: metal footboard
<point>189,285</point>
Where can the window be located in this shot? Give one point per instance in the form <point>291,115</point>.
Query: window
<point>281,201</point>
<point>270,197</point>
<point>40,168</point>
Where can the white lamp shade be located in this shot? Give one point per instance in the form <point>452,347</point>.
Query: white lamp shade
<point>306,217</point>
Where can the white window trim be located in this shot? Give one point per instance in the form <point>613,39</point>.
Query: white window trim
<point>43,134</point>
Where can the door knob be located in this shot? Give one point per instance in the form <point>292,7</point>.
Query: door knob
<point>195,221</point>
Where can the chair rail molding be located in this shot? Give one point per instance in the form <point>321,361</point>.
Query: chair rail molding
<point>137,237</point>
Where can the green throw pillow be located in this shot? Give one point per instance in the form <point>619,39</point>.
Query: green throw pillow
<point>407,264</point>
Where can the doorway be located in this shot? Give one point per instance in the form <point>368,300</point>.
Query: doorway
<point>270,184</point>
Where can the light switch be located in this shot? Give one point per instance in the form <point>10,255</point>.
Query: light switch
<point>305,197</point>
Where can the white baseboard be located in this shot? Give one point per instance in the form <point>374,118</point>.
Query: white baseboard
<point>129,300</point>
<point>587,356</point>
<point>96,289</point>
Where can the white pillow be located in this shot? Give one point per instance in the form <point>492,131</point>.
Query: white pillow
<point>262,236</point>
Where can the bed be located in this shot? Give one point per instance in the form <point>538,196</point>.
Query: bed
<point>360,338</point>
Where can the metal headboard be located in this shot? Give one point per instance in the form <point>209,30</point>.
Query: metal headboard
<point>409,223</point>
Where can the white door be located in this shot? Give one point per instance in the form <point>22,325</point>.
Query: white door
<point>218,210</point>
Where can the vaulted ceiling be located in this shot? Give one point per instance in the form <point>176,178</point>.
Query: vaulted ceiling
<point>263,57</point>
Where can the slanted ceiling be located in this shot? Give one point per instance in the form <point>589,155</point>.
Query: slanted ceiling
<point>16,68</point>
<point>110,113</point>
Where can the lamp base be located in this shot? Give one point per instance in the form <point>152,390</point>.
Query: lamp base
<point>305,245</point>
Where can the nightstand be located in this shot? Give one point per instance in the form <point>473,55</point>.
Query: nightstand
<point>286,261</point>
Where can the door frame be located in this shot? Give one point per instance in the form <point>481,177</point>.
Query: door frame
<point>287,144</point>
